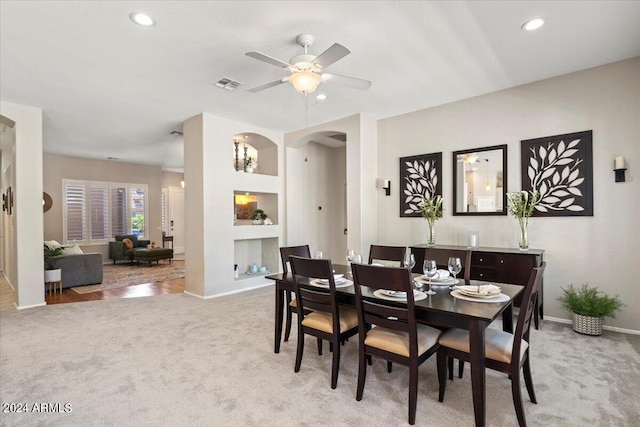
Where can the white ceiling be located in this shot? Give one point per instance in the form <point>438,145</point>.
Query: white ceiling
<point>111,88</point>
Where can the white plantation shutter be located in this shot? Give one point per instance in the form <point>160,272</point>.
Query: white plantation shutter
<point>75,218</point>
<point>98,202</point>
<point>118,211</point>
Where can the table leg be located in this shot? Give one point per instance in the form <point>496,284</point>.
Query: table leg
<point>507,319</point>
<point>279,317</point>
<point>476,342</point>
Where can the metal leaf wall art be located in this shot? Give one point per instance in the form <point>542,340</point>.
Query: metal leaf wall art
<point>560,169</point>
<point>420,177</point>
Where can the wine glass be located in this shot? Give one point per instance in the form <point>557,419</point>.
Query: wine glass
<point>409,261</point>
<point>350,254</point>
<point>318,254</point>
<point>455,267</point>
<point>430,269</point>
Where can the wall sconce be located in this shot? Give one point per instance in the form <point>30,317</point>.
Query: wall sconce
<point>619,168</point>
<point>182,182</point>
<point>385,184</point>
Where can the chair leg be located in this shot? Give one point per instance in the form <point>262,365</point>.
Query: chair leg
<point>389,366</point>
<point>335,366</point>
<point>526,368</point>
<point>369,360</point>
<point>517,399</point>
<point>330,347</point>
<point>287,328</point>
<point>442,374</point>
<point>460,368</point>
<point>319,347</point>
<point>362,372</point>
<point>300,349</point>
<point>450,367</point>
<point>413,391</point>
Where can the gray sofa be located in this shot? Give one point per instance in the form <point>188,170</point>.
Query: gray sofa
<point>118,251</point>
<point>80,269</point>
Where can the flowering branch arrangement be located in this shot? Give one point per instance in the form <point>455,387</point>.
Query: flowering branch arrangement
<point>521,205</point>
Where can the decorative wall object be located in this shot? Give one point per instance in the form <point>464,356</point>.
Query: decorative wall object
<point>420,177</point>
<point>9,201</point>
<point>560,168</point>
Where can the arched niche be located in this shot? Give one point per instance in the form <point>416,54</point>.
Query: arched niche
<point>258,147</point>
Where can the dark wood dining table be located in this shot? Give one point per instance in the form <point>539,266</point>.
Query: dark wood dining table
<point>441,310</point>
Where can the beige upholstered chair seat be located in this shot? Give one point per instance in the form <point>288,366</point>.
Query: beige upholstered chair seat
<point>398,342</point>
<point>323,321</point>
<point>293,303</point>
<point>498,344</point>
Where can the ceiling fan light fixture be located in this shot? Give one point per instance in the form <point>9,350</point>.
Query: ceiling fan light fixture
<point>305,81</point>
<point>533,24</point>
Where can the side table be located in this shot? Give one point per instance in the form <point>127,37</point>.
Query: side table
<point>52,285</point>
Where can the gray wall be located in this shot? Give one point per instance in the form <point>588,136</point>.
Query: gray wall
<point>602,250</point>
<point>56,168</point>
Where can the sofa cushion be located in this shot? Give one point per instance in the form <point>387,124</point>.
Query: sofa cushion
<point>52,244</point>
<point>127,243</point>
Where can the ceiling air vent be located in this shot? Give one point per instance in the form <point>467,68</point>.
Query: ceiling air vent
<point>227,83</point>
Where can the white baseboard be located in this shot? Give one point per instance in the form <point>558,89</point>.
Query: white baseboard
<point>228,293</point>
<point>24,307</point>
<point>605,327</point>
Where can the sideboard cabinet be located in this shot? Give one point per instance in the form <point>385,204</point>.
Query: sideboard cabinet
<point>502,265</point>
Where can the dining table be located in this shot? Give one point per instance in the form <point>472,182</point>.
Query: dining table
<point>441,310</point>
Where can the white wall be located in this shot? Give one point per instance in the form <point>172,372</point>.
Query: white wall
<point>210,182</point>
<point>603,250</point>
<point>26,220</point>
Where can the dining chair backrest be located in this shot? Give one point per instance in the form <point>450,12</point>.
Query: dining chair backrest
<point>287,251</point>
<point>527,306</point>
<point>387,253</point>
<point>442,255</point>
<point>380,312</point>
<point>310,297</point>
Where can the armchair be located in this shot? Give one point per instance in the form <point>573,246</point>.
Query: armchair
<point>119,252</point>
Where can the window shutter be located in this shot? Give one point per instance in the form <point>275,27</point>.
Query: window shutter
<point>98,202</point>
<point>118,211</point>
<point>75,212</point>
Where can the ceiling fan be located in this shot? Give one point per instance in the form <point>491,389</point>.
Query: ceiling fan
<point>307,71</point>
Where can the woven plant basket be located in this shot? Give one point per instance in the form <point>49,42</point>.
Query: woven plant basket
<point>587,325</point>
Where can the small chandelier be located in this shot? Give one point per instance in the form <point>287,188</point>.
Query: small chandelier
<point>305,81</point>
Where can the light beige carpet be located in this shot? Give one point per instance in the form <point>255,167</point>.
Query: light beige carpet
<point>121,275</point>
<point>176,360</point>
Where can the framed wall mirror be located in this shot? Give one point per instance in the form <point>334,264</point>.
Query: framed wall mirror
<point>480,181</point>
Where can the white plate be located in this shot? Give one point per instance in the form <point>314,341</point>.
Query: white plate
<point>497,298</point>
<point>344,283</point>
<point>338,278</point>
<point>381,293</point>
<point>447,282</point>
<point>472,291</point>
<point>398,294</point>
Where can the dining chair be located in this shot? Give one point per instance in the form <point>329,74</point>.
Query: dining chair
<point>388,329</point>
<point>318,311</point>
<point>500,348</point>
<point>285,253</point>
<point>387,253</point>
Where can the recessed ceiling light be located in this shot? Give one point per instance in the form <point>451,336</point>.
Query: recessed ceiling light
<point>142,19</point>
<point>321,97</point>
<point>533,24</point>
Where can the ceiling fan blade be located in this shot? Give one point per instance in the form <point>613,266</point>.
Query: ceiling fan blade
<point>351,82</point>
<point>268,59</point>
<point>331,55</point>
<point>268,85</point>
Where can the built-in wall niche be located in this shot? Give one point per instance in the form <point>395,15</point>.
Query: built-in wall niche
<point>261,252</point>
<point>246,202</point>
<point>254,153</point>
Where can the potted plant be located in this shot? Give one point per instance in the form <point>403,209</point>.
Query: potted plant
<point>250,164</point>
<point>258,217</point>
<point>589,306</point>
<point>431,210</point>
<point>51,273</point>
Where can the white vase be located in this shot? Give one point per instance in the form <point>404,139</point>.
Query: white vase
<point>52,275</point>
<point>257,222</point>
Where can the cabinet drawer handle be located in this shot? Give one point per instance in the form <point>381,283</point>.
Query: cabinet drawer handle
<point>481,274</point>
<point>480,259</point>
<point>501,261</point>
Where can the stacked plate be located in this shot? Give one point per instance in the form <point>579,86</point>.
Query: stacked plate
<point>398,294</point>
<point>337,278</point>
<point>484,291</point>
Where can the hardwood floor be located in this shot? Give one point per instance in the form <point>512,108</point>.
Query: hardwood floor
<point>177,286</point>
<point>144,290</point>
